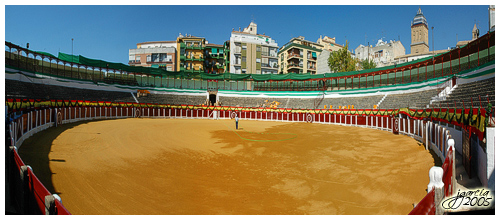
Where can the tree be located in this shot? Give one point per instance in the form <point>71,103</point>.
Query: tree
<point>341,60</point>
<point>368,64</point>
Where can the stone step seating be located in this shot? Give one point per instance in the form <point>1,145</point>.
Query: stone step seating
<point>413,100</point>
<point>366,102</point>
<point>23,90</point>
<point>172,99</point>
<point>463,93</point>
<point>303,103</point>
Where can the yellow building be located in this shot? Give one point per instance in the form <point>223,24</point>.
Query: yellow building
<point>190,54</point>
<point>329,44</point>
<point>299,56</point>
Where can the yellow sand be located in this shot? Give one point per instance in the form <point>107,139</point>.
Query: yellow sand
<point>183,166</point>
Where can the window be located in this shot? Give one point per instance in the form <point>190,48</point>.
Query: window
<point>138,59</point>
<point>155,57</point>
<point>244,59</point>
<point>148,58</point>
<point>169,58</point>
<point>244,71</point>
<point>257,60</point>
<point>258,49</point>
<point>131,57</point>
<point>244,47</point>
<point>257,71</point>
<point>265,60</point>
<point>169,68</point>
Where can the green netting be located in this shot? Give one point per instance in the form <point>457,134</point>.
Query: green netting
<point>46,54</point>
<point>119,67</point>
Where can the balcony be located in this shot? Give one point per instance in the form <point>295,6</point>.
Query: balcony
<point>216,55</point>
<point>310,58</point>
<point>194,47</point>
<point>159,61</point>
<point>134,62</point>
<point>269,54</point>
<point>294,56</point>
<point>265,65</point>
<point>194,58</point>
<point>294,66</point>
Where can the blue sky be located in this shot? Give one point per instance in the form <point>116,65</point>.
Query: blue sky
<point>108,32</point>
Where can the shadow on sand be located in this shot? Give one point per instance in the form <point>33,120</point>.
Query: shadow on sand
<point>36,149</point>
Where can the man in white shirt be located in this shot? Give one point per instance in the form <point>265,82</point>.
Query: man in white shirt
<point>236,119</point>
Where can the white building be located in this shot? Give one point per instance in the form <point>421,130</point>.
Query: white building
<point>252,53</point>
<point>382,54</point>
<point>156,54</point>
<point>491,17</point>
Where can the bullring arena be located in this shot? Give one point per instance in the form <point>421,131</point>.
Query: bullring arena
<point>83,139</point>
<point>181,166</point>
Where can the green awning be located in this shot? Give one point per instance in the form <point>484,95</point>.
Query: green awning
<point>221,50</point>
<point>314,54</point>
<point>214,50</point>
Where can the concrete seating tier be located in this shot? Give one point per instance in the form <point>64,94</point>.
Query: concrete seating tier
<point>463,93</point>
<point>23,90</point>
<point>413,100</point>
<point>172,99</point>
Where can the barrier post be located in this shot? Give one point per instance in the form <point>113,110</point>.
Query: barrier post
<point>436,182</point>
<point>25,189</point>
<point>451,145</point>
<point>425,135</point>
<point>50,204</point>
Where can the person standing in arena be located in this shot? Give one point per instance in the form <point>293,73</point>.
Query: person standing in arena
<point>236,120</point>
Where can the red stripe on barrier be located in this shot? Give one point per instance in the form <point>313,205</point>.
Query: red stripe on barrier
<point>448,173</point>
<point>18,160</point>
<point>425,206</point>
<point>60,209</point>
<point>39,191</point>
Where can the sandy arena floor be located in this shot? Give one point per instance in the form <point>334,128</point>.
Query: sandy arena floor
<point>179,166</point>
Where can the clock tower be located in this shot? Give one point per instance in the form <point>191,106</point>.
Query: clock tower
<point>419,34</point>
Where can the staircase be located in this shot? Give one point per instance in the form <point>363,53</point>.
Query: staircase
<point>381,100</point>
<point>319,99</point>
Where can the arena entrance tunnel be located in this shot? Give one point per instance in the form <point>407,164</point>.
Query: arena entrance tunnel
<point>212,99</point>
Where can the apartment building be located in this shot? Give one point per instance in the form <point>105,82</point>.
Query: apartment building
<point>216,58</point>
<point>190,56</point>
<point>155,54</point>
<point>299,56</point>
<point>382,54</point>
<point>252,53</point>
<point>329,46</point>
<point>328,43</point>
